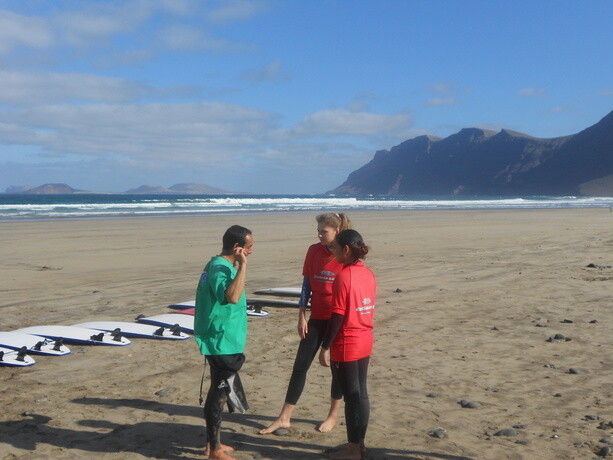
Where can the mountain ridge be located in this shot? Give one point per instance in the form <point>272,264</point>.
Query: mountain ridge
<point>476,161</point>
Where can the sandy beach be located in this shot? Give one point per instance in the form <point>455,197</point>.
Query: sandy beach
<point>466,303</point>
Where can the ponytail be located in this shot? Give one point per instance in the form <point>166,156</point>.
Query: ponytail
<point>355,242</point>
<point>338,221</point>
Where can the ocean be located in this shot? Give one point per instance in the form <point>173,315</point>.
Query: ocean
<point>86,206</point>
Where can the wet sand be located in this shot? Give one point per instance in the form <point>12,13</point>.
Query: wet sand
<point>466,303</point>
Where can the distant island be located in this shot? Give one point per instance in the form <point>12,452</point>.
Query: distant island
<point>46,189</point>
<point>478,162</point>
<point>177,189</point>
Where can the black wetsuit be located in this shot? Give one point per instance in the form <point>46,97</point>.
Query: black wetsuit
<point>307,349</point>
<point>226,387</point>
<point>352,377</point>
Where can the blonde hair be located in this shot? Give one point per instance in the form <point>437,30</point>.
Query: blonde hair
<point>338,221</point>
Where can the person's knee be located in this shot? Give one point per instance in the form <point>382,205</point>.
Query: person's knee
<point>352,397</point>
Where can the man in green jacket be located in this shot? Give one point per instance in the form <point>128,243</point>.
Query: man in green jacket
<point>220,330</point>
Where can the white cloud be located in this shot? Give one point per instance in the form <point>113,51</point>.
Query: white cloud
<point>270,72</point>
<point>532,92</point>
<point>20,88</point>
<point>145,27</point>
<point>442,88</point>
<point>441,101</point>
<point>235,10</point>
<point>345,122</point>
<point>558,109</point>
<point>198,135</point>
<point>145,132</point>
<point>17,30</point>
<point>183,37</point>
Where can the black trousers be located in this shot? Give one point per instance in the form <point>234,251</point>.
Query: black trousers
<point>226,388</point>
<point>307,349</point>
<point>352,376</point>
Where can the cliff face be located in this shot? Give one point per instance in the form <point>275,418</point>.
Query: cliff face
<point>480,162</point>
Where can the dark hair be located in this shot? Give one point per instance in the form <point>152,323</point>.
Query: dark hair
<point>355,242</point>
<point>235,234</point>
<point>338,221</point>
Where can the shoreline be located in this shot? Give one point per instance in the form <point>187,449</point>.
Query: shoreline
<point>171,215</point>
<point>460,296</point>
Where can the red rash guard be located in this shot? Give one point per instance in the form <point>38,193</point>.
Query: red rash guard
<point>321,268</point>
<point>354,292</point>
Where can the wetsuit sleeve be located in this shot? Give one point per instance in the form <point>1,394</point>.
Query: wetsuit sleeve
<point>334,325</point>
<point>305,293</point>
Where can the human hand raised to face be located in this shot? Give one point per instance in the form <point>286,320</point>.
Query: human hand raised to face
<point>240,255</point>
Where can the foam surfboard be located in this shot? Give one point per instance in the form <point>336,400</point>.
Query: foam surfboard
<point>33,343</point>
<point>145,331</point>
<point>252,310</point>
<point>10,357</point>
<point>76,334</point>
<point>183,305</point>
<point>280,291</point>
<point>185,311</point>
<point>185,322</point>
<point>257,301</point>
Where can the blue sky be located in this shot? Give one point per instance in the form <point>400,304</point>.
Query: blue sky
<point>281,96</point>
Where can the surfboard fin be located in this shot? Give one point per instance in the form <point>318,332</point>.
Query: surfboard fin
<point>21,354</point>
<point>176,329</point>
<point>39,345</point>
<point>117,335</point>
<point>57,346</point>
<point>97,337</point>
<point>159,332</point>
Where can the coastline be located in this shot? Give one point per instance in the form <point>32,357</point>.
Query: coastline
<point>473,285</point>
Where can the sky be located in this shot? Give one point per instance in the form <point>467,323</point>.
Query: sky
<point>281,96</point>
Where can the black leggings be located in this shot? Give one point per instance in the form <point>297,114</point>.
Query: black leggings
<point>223,367</point>
<point>352,378</point>
<point>308,348</point>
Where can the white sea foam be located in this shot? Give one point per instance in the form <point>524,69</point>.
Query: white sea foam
<point>50,207</point>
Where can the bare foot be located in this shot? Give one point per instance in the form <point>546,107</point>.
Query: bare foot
<point>275,426</point>
<point>343,446</point>
<point>222,447</point>
<point>347,451</point>
<point>328,425</point>
<point>219,454</point>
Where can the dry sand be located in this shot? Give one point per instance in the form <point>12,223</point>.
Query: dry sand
<point>460,294</point>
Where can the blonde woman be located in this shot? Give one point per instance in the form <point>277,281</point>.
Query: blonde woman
<point>319,271</point>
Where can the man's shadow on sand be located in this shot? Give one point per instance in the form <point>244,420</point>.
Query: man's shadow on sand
<point>172,440</point>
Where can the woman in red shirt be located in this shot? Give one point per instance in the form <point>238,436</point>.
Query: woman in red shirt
<point>348,342</point>
<point>319,271</point>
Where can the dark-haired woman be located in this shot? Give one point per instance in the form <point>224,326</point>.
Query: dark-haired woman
<point>319,271</point>
<point>348,342</point>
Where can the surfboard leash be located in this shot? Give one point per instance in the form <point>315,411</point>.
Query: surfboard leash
<point>200,400</point>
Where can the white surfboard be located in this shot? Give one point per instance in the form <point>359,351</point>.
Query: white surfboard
<point>9,357</point>
<point>146,331</point>
<point>280,291</point>
<point>75,334</point>
<point>185,322</point>
<point>183,305</point>
<point>33,343</point>
<point>272,302</point>
<point>254,309</point>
